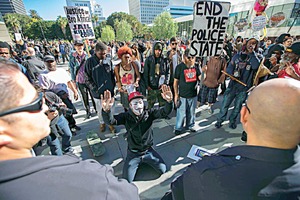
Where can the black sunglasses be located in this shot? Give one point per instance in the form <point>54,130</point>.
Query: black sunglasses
<point>36,105</point>
<point>245,104</point>
<point>174,43</point>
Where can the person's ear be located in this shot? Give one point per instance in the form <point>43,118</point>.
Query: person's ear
<point>4,138</point>
<point>244,115</point>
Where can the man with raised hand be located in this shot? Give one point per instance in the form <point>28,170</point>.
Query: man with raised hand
<point>138,123</point>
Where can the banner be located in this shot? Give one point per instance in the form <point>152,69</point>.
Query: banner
<point>80,22</point>
<point>209,28</point>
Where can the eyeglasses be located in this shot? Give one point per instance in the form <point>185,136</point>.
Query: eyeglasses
<point>36,105</point>
<point>245,104</point>
<point>174,43</point>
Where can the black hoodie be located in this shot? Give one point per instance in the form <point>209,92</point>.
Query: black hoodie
<point>151,78</point>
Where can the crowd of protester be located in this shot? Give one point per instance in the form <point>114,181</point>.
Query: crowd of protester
<point>147,73</point>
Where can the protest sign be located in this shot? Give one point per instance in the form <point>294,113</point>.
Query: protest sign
<point>209,28</point>
<point>277,19</point>
<point>80,22</point>
<point>259,23</point>
<point>18,36</point>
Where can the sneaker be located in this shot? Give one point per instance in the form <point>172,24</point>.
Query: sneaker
<point>192,130</point>
<point>88,115</point>
<point>218,124</point>
<point>176,132</point>
<point>112,129</point>
<point>77,128</point>
<point>102,127</point>
<point>210,110</point>
<point>232,125</point>
<point>69,150</point>
<point>73,131</point>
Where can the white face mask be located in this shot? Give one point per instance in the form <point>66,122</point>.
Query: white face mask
<point>137,106</point>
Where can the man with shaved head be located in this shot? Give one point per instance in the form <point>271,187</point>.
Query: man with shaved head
<point>34,65</point>
<point>268,166</point>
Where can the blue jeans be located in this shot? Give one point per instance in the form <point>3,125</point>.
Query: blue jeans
<point>67,134</point>
<point>186,109</point>
<point>54,144</point>
<point>229,96</point>
<point>133,160</point>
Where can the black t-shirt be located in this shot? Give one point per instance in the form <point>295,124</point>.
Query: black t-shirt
<point>188,78</point>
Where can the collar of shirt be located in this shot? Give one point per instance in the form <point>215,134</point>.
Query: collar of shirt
<point>263,153</point>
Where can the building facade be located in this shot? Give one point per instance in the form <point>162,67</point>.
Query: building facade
<point>180,8</point>
<point>283,16</point>
<point>4,35</point>
<point>146,10</point>
<point>99,12</point>
<point>12,6</point>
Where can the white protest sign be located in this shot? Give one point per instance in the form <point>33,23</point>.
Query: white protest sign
<point>259,23</point>
<point>18,36</point>
<point>209,27</point>
<point>80,22</point>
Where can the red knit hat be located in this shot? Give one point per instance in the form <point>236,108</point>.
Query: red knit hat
<point>134,95</point>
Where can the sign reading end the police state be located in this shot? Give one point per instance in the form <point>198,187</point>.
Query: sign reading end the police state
<point>209,28</point>
<point>80,22</point>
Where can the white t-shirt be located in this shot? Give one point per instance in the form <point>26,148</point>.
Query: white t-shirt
<point>59,76</point>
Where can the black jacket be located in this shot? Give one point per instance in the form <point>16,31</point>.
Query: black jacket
<point>61,177</point>
<point>140,133</point>
<point>151,78</point>
<point>242,172</point>
<point>99,77</point>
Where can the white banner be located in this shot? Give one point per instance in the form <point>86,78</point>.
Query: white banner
<point>209,27</point>
<point>259,23</point>
<point>80,22</point>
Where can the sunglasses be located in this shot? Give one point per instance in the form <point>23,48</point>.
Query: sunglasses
<point>36,105</point>
<point>248,93</point>
<point>246,106</point>
<point>174,43</point>
<point>190,57</point>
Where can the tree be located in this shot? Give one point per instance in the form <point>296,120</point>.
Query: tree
<point>116,17</point>
<point>34,15</point>
<point>95,19</point>
<point>62,22</point>
<point>164,26</point>
<point>107,34</point>
<point>99,28</point>
<point>12,22</point>
<point>124,32</point>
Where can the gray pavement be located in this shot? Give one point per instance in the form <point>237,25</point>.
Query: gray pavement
<point>173,149</point>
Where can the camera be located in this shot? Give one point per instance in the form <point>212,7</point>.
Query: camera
<point>61,109</point>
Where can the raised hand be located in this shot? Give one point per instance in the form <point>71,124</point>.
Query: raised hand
<point>166,93</point>
<point>107,101</point>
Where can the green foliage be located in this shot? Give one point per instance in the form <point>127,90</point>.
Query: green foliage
<point>114,19</point>
<point>62,22</point>
<point>99,28</point>
<point>124,32</point>
<point>34,15</point>
<point>95,19</point>
<point>164,26</point>
<point>107,34</point>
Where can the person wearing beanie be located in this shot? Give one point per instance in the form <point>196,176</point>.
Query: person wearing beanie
<point>138,123</point>
<point>156,74</point>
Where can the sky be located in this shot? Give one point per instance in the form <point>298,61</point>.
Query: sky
<point>50,9</point>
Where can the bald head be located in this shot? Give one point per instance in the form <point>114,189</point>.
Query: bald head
<point>274,113</point>
<point>31,51</point>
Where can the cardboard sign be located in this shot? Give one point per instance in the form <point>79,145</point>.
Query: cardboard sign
<point>209,28</point>
<point>80,22</point>
<point>241,25</point>
<point>259,23</point>
<point>18,36</point>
